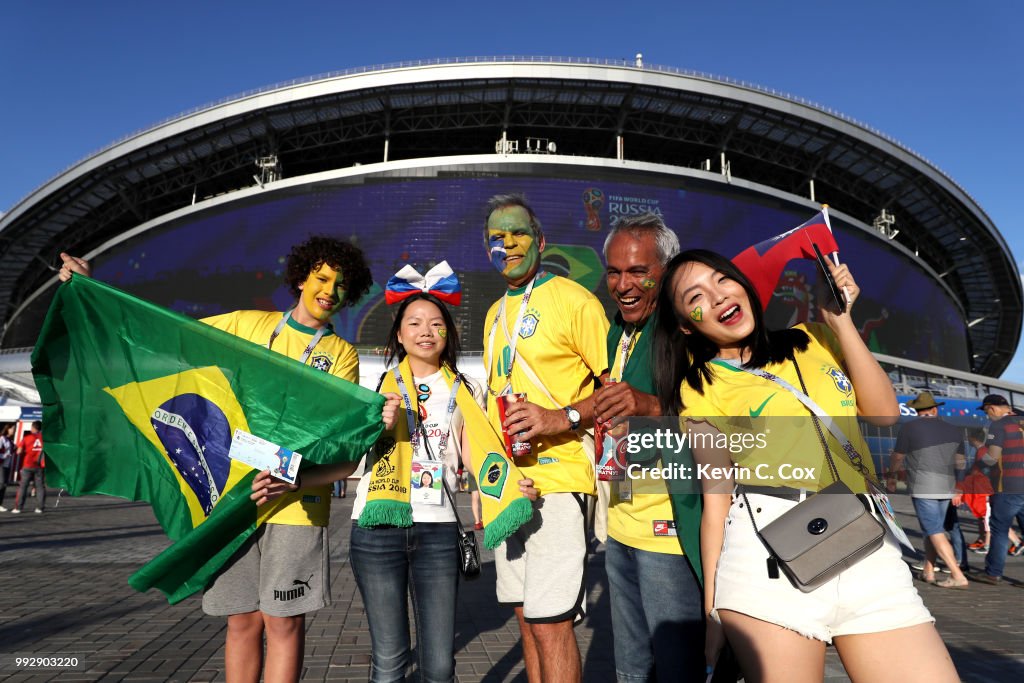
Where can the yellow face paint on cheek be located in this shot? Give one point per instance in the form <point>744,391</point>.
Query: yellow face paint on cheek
<point>649,284</point>
<point>442,332</point>
<point>697,314</point>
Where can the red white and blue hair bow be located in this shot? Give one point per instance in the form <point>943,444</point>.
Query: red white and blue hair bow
<point>440,281</point>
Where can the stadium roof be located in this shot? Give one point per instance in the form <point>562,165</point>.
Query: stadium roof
<point>590,108</point>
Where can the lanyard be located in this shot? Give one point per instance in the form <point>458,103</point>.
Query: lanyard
<point>629,341</point>
<point>415,429</point>
<point>512,343</point>
<point>312,343</point>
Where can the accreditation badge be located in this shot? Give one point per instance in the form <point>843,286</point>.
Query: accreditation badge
<point>625,489</point>
<point>426,484</point>
<point>885,510</point>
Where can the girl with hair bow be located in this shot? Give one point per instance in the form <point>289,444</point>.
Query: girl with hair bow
<point>405,538</point>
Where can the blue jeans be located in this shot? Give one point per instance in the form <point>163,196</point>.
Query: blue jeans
<point>1005,507</point>
<point>657,615</point>
<point>936,517</point>
<point>419,560</point>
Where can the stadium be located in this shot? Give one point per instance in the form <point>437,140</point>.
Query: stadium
<point>197,213</point>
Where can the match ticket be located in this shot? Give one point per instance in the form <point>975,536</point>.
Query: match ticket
<point>264,455</point>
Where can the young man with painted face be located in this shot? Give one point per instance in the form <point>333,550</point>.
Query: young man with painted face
<point>652,555</point>
<point>544,337</point>
<point>257,590</point>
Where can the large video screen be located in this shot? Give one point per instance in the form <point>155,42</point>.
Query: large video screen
<point>233,257</point>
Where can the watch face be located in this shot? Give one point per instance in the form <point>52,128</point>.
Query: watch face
<point>574,415</point>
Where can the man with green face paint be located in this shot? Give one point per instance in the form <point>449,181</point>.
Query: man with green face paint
<point>546,338</point>
<point>254,590</point>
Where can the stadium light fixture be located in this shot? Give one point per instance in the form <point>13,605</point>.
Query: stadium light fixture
<point>885,223</point>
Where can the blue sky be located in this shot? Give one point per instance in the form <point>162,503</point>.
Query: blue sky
<point>942,77</point>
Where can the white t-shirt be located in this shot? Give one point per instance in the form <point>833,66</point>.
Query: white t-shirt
<point>434,413</point>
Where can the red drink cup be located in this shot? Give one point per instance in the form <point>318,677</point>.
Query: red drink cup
<point>611,466</point>
<point>599,429</point>
<point>515,449</point>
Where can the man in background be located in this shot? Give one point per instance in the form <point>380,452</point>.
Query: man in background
<point>933,450</point>
<point>1006,449</point>
<point>32,468</point>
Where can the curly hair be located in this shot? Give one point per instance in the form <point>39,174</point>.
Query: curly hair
<point>338,254</point>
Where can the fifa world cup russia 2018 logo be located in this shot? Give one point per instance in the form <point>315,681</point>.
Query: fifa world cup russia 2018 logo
<point>593,200</point>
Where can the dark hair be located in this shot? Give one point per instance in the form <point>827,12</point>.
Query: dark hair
<point>976,434</point>
<point>452,348</point>
<point>37,425</point>
<point>684,357</point>
<point>338,254</point>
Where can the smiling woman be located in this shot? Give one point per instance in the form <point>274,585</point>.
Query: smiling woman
<point>724,361</point>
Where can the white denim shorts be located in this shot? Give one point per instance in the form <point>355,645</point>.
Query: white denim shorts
<point>876,594</point>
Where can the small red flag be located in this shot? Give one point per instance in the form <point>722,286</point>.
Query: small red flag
<point>763,263</point>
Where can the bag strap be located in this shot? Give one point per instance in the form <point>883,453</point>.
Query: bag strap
<point>458,520</point>
<point>833,470</point>
<point>814,409</point>
<point>844,442</point>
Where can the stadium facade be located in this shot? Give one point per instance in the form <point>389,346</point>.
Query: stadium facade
<point>198,212</point>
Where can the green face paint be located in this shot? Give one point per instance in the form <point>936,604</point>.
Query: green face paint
<point>697,314</point>
<point>442,332</point>
<point>514,245</point>
<point>648,284</point>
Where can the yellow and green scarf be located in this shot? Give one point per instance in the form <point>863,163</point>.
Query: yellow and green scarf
<point>505,509</point>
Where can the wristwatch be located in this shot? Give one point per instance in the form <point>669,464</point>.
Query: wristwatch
<point>574,417</point>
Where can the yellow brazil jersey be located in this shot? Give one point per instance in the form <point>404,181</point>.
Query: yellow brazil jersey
<point>332,354</point>
<point>562,339</point>
<point>784,441</point>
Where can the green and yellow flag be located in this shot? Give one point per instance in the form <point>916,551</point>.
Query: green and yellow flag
<point>141,403</point>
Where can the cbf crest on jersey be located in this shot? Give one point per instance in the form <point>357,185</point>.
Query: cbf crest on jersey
<point>321,361</point>
<point>842,382</point>
<point>529,325</point>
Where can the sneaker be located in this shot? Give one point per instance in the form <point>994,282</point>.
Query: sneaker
<point>980,550</point>
<point>38,511</point>
<point>980,543</point>
<point>15,511</point>
<point>1016,550</point>
<point>3,509</point>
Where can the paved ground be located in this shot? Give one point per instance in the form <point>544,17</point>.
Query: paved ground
<point>66,595</point>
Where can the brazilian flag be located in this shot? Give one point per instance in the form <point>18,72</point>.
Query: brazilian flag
<point>141,403</point>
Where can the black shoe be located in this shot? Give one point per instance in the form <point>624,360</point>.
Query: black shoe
<point>989,579</point>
